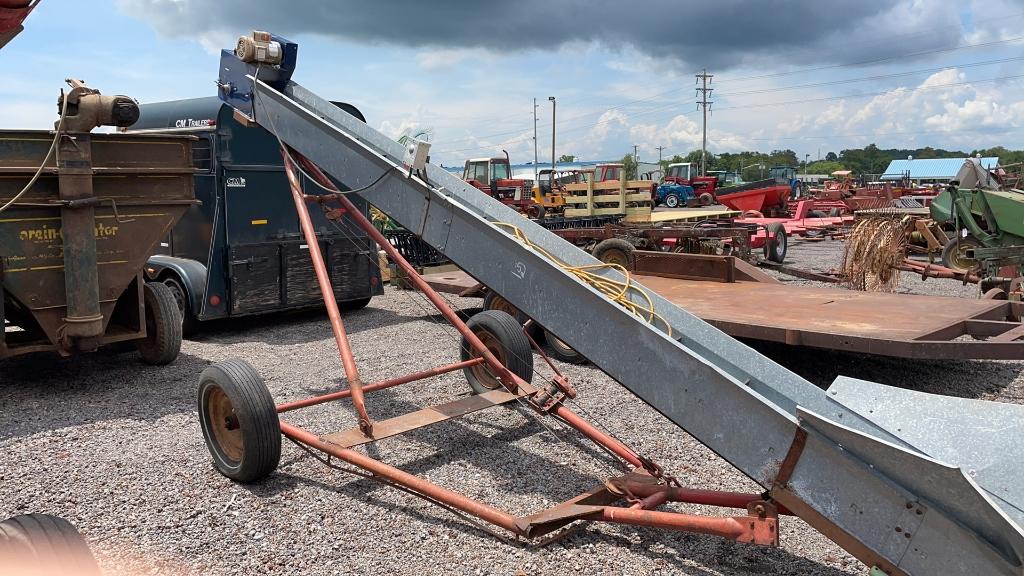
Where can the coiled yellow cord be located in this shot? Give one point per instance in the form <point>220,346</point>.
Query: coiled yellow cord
<point>616,290</point>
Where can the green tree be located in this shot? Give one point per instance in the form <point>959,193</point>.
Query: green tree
<point>567,158</point>
<point>629,166</point>
<point>824,167</point>
<point>831,157</point>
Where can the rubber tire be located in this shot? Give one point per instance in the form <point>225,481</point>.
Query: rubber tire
<point>257,417</point>
<point>49,544</point>
<point>706,199</point>
<point>509,334</point>
<point>817,214</point>
<point>672,200</point>
<point>493,299</point>
<point>163,326</point>
<point>189,322</point>
<point>354,305</point>
<point>953,245</point>
<point>562,351</point>
<point>776,243</point>
<point>604,247</point>
<point>834,213</point>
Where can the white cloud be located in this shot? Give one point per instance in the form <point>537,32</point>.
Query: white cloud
<point>444,59</point>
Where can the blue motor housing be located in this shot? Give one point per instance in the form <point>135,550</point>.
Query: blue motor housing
<point>236,76</point>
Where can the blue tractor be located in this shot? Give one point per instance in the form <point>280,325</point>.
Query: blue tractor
<point>674,195</point>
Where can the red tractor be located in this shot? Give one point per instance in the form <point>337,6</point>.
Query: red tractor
<point>685,173</point>
<point>493,176</point>
<point>613,172</point>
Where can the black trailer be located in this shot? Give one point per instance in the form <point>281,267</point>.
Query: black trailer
<point>241,252</point>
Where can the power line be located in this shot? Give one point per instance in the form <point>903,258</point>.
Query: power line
<point>703,92</point>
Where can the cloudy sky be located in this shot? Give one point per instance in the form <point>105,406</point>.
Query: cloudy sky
<point>808,75</point>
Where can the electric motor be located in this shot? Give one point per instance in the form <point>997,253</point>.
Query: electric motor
<point>259,49</point>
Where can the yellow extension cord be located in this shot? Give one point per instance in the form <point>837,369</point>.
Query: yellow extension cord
<point>616,290</point>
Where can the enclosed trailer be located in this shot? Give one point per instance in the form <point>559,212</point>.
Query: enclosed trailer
<point>241,251</point>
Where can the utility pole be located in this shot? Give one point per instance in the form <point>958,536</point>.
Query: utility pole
<point>661,168</point>
<point>703,92</point>
<point>535,140</point>
<point>552,99</point>
<point>636,162</point>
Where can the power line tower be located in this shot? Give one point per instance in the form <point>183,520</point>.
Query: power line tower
<point>534,139</point>
<point>703,92</point>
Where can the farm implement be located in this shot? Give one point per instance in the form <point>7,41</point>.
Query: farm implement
<point>881,471</point>
<point>79,215</point>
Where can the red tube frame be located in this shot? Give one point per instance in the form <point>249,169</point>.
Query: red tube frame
<point>760,528</point>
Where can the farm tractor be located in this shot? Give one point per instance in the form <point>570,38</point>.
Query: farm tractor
<point>685,173</point>
<point>989,226</point>
<point>493,176</point>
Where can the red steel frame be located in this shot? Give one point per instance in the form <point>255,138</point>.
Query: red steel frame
<point>644,488</point>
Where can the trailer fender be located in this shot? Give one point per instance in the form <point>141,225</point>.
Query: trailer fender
<point>191,273</point>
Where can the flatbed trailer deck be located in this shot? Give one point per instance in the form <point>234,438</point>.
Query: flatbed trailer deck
<point>730,295</point>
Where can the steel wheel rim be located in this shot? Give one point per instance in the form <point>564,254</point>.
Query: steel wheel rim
<point>615,256</point>
<point>179,296</point>
<point>499,303</point>
<point>482,372</point>
<point>959,257</point>
<point>223,423</point>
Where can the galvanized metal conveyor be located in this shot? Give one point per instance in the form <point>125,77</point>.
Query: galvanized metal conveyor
<point>907,482</point>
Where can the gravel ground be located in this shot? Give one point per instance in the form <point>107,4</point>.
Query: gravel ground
<point>115,447</point>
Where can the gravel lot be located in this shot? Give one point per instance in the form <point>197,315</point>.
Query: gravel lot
<point>115,447</point>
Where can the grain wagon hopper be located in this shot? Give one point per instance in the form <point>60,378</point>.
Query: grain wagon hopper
<point>79,215</point>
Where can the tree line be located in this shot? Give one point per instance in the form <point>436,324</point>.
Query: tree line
<point>870,160</point>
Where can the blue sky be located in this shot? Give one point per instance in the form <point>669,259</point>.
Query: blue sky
<point>941,73</point>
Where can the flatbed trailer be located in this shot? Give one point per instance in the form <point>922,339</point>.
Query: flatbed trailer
<point>730,294</point>
<point>909,483</point>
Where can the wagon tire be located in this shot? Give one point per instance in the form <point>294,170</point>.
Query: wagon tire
<point>615,251</point>
<point>189,322</point>
<point>562,351</point>
<point>495,301</point>
<point>163,326</point>
<point>239,421</point>
<point>776,243</point>
<point>504,337</point>
<point>954,254</point>
<point>49,544</point>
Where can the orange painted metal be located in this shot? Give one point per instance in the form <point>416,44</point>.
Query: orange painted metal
<point>749,529</point>
<point>415,483</point>
<point>643,491</point>
<point>348,361</point>
<point>288,406</point>
<point>510,380</point>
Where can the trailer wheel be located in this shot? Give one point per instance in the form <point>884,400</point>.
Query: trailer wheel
<point>776,243</point>
<point>189,322</point>
<point>615,251</point>
<point>504,337</point>
<point>45,544</point>
<point>562,351</point>
<point>239,421</point>
<point>163,326</point>
<point>672,200</point>
<point>954,254</point>
<point>706,199</point>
